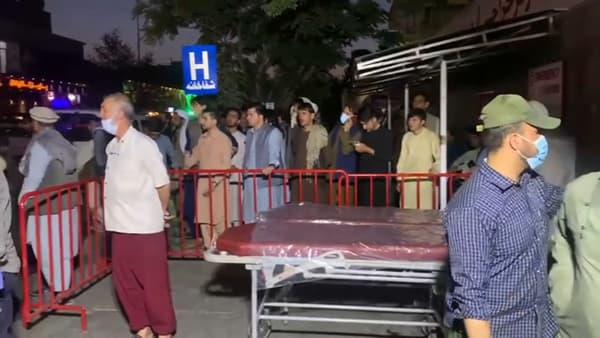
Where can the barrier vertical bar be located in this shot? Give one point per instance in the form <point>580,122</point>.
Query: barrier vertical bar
<point>443,132</point>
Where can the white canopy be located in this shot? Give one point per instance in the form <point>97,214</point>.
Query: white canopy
<point>378,72</point>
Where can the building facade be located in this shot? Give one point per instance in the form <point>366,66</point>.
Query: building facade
<point>37,67</point>
<point>27,45</point>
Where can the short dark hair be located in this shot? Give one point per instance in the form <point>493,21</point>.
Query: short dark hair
<point>350,105</point>
<point>260,109</point>
<point>368,112</point>
<point>233,109</point>
<point>298,101</point>
<point>420,113</point>
<point>199,100</point>
<point>494,138</point>
<point>306,107</point>
<point>425,96</point>
<point>212,113</point>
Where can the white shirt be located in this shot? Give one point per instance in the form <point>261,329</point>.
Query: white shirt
<point>238,158</point>
<point>134,170</point>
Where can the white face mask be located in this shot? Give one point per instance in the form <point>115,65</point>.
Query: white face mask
<point>109,126</point>
<point>344,118</point>
<point>541,144</point>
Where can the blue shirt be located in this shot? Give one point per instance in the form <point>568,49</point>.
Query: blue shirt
<point>481,157</point>
<point>498,240</point>
<point>167,151</point>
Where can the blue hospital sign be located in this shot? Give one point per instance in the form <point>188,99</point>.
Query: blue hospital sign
<point>200,70</point>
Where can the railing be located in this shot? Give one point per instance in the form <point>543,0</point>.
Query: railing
<point>235,193</point>
<point>62,247</point>
<point>406,191</point>
<point>62,228</point>
<point>226,198</point>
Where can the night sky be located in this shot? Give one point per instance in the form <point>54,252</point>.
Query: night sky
<point>87,20</point>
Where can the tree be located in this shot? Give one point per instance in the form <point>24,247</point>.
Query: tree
<point>114,53</point>
<point>275,8</point>
<point>268,50</point>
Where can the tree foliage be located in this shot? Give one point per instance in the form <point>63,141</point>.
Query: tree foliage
<point>269,50</point>
<point>275,8</point>
<point>114,53</point>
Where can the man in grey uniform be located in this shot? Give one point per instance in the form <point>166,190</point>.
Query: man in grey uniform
<point>10,264</point>
<point>50,160</point>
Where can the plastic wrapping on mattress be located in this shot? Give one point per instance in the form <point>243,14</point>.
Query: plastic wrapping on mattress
<point>296,239</point>
<point>324,214</point>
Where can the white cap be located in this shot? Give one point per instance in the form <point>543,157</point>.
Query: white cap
<point>43,114</point>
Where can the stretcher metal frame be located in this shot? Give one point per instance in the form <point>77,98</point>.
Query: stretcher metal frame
<point>333,266</point>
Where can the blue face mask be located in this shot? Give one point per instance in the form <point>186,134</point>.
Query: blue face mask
<point>109,126</point>
<point>541,144</point>
<point>344,118</point>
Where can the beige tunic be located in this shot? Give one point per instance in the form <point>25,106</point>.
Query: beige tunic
<point>213,152</point>
<point>420,153</point>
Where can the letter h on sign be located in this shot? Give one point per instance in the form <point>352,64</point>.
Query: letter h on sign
<point>200,70</point>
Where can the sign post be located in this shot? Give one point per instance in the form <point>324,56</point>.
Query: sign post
<point>200,70</point>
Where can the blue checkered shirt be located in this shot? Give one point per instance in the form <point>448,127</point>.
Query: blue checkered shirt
<point>498,239</point>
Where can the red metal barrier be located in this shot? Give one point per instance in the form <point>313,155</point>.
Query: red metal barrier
<point>220,197</point>
<point>406,191</point>
<point>64,224</point>
<point>63,229</point>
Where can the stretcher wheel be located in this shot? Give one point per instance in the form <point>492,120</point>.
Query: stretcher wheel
<point>264,329</point>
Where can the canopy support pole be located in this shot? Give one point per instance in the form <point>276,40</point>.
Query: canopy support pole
<point>389,112</point>
<point>406,103</point>
<point>443,133</point>
<point>389,124</point>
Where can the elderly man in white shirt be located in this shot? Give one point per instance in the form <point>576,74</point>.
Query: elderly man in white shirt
<point>136,198</point>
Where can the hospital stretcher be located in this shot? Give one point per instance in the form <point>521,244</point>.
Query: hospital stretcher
<point>307,243</point>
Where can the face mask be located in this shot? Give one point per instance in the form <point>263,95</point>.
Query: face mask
<point>109,126</point>
<point>344,118</point>
<point>541,144</point>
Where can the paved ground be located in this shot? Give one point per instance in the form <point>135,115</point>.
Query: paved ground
<point>211,301</point>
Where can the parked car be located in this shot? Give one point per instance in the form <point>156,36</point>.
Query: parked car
<point>74,124</point>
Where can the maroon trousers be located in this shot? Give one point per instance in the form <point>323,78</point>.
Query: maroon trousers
<point>141,280</point>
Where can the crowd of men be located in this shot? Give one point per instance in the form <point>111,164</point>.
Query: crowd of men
<point>501,224</point>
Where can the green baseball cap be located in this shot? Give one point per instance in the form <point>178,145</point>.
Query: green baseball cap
<point>508,109</point>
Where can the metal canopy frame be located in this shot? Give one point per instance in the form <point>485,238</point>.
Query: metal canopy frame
<point>377,72</point>
<point>474,45</point>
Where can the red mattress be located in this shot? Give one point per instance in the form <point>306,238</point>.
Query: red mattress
<point>359,233</point>
<point>322,214</point>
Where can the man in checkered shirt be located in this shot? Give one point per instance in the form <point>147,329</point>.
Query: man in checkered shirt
<point>497,226</point>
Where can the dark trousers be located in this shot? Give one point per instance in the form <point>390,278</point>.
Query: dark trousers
<point>189,204</point>
<point>376,193</point>
<point>108,240</point>
<point>141,280</point>
<point>9,301</point>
